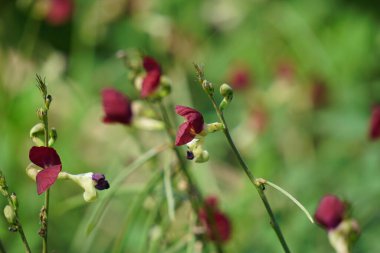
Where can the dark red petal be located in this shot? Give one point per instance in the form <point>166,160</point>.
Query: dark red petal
<point>330,212</point>
<point>46,178</point>
<point>150,64</point>
<point>193,116</point>
<point>116,106</point>
<point>59,11</point>
<point>184,134</point>
<point>44,157</point>
<point>374,130</point>
<point>240,78</point>
<point>212,202</point>
<point>221,223</point>
<point>150,83</point>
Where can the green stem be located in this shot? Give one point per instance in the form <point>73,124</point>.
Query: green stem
<point>196,198</point>
<point>251,177</point>
<point>2,249</point>
<point>22,234</point>
<point>45,216</point>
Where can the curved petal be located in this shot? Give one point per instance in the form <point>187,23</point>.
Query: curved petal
<point>116,106</point>
<point>47,177</point>
<point>184,134</point>
<point>150,64</point>
<point>193,116</point>
<point>330,212</point>
<point>150,83</point>
<point>44,157</point>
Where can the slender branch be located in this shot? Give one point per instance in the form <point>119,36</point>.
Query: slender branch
<point>250,175</point>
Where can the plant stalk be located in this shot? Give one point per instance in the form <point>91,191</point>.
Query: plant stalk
<point>251,177</point>
<point>196,197</point>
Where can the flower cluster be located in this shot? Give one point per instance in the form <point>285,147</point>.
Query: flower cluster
<point>332,215</point>
<point>216,223</point>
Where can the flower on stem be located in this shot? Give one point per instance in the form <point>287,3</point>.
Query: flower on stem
<point>151,81</point>
<point>216,223</point>
<point>374,129</point>
<point>330,212</point>
<point>48,159</point>
<point>116,106</point>
<point>89,182</point>
<point>59,11</point>
<point>240,78</point>
<point>343,231</point>
<point>193,125</point>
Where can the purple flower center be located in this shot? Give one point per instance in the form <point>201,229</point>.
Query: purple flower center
<point>100,180</point>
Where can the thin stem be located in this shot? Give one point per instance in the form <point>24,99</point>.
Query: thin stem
<point>251,177</point>
<point>195,195</point>
<point>2,249</point>
<point>45,209</point>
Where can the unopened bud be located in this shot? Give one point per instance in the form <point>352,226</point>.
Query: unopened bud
<point>9,214</point>
<point>14,200</point>
<point>53,136</point>
<point>35,132</point>
<point>202,158</point>
<point>208,87</point>
<point>227,92</point>
<point>41,113</point>
<point>48,100</point>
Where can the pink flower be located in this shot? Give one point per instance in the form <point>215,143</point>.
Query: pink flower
<point>117,107</point>
<point>218,229</point>
<point>330,212</point>
<point>189,129</point>
<point>49,161</point>
<point>374,130</point>
<point>152,78</point>
<point>240,78</point>
<point>59,11</point>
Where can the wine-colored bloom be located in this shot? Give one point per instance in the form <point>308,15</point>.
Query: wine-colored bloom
<point>48,159</point>
<point>374,130</point>
<point>100,181</point>
<point>189,129</point>
<point>240,78</point>
<point>153,75</point>
<point>117,107</point>
<point>330,212</point>
<point>217,224</point>
<point>59,11</point>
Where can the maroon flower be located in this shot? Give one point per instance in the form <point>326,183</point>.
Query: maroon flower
<point>59,11</point>
<point>374,130</point>
<point>117,107</point>
<point>49,161</point>
<point>330,212</point>
<point>152,78</point>
<point>100,181</point>
<point>219,228</point>
<point>240,78</point>
<point>189,129</point>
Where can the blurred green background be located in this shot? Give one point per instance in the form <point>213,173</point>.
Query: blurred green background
<point>301,122</point>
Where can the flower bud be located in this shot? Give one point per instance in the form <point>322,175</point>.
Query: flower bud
<point>10,214</point>
<point>53,136</point>
<point>41,113</point>
<point>227,92</point>
<point>35,132</point>
<point>202,158</point>
<point>208,87</point>
<point>14,200</point>
<point>3,185</point>
<point>48,100</point>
